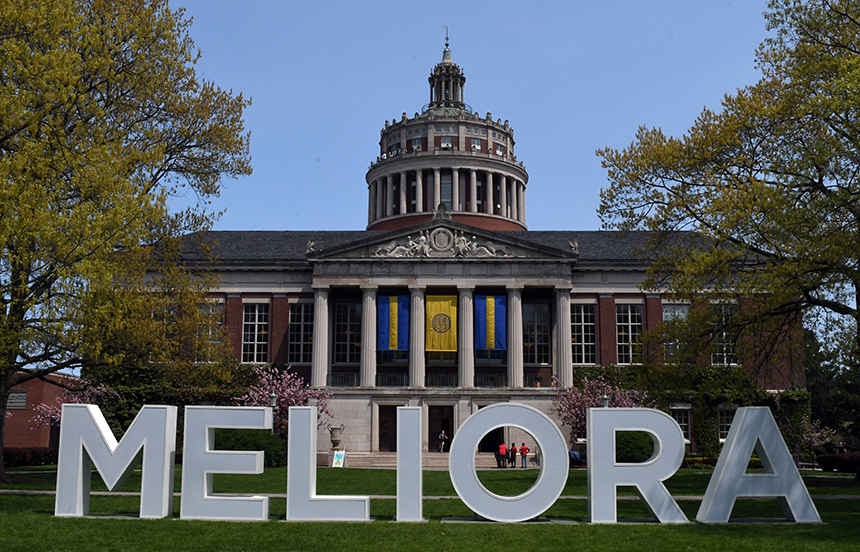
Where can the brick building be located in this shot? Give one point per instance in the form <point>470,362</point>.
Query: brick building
<point>446,300</point>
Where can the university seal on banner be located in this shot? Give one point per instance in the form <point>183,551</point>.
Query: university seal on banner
<point>441,323</point>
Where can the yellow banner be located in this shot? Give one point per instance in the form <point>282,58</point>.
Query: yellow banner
<point>441,324</point>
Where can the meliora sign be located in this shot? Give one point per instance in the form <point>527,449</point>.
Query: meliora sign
<point>86,440</point>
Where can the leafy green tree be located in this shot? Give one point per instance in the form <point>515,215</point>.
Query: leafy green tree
<point>102,120</point>
<point>768,186</point>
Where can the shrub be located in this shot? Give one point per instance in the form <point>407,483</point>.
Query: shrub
<point>633,446</point>
<point>33,456</point>
<point>845,462</point>
<point>272,445</point>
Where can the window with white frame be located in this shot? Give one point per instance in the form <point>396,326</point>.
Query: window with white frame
<point>17,400</point>
<point>682,416</point>
<point>725,416</point>
<point>723,339</point>
<point>446,143</point>
<point>255,333</point>
<point>628,333</point>
<point>347,333</point>
<point>583,334</point>
<point>536,327</point>
<point>476,144</point>
<point>212,334</point>
<point>673,316</point>
<point>301,333</point>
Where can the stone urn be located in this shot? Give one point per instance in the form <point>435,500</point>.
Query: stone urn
<point>336,435</point>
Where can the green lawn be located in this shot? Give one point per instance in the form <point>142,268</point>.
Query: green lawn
<point>29,523</point>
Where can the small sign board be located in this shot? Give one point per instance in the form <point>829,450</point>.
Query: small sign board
<point>339,459</point>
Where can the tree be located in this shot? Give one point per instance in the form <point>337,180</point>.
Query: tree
<point>289,389</point>
<point>102,120</point>
<point>768,187</point>
<point>571,404</point>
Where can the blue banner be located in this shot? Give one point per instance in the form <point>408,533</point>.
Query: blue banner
<point>491,322</point>
<point>392,331</point>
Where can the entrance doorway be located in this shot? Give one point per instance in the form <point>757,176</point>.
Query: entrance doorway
<point>387,428</point>
<point>492,440</point>
<point>440,418</point>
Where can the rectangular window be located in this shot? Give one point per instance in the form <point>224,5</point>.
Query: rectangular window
<point>583,334</point>
<point>673,316</point>
<point>725,417</point>
<point>347,333</point>
<point>446,143</point>
<point>255,333</point>
<point>536,326</point>
<point>682,416</point>
<point>723,339</point>
<point>445,189</point>
<point>416,144</point>
<point>500,150</point>
<point>476,144</point>
<point>301,333</point>
<point>628,333</point>
<point>17,400</point>
<point>212,333</point>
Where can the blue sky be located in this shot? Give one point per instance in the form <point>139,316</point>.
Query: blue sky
<point>571,77</point>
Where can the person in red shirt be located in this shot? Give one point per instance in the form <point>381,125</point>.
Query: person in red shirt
<point>524,451</point>
<point>512,455</point>
<point>502,456</point>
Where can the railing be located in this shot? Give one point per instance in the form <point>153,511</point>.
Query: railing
<point>342,380</point>
<point>451,152</point>
<point>491,380</point>
<point>536,380</point>
<point>392,380</point>
<point>440,380</point>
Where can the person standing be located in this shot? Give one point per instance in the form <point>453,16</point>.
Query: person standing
<point>524,451</point>
<point>502,455</point>
<point>512,455</point>
<point>443,441</point>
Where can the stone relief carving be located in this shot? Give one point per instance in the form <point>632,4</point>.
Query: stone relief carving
<point>574,246</point>
<point>441,242</point>
<point>312,246</point>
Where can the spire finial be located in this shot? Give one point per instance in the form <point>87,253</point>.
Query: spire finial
<point>446,37</point>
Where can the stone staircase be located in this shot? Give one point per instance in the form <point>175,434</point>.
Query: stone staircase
<point>432,460</point>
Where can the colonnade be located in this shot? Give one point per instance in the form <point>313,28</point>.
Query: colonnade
<point>563,365</point>
<point>392,194</point>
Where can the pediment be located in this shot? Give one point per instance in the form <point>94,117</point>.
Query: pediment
<point>444,240</point>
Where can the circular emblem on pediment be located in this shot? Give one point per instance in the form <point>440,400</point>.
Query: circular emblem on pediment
<point>441,323</point>
<point>441,239</point>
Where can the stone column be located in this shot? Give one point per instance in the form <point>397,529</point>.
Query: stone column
<point>419,191</point>
<point>488,182</point>
<point>389,196</point>
<point>515,338</point>
<point>514,203</point>
<point>319,370</point>
<point>379,200</point>
<point>564,351</point>
<point>368,337</point>
<point>416,337</point>
<point>521,201</point>
<point>503,189</point>
<point>473,191</point>
<point>437,189</point>
<point>455,189</point>
<point>403,209</point>
<point>371,201</point>
<point>466,338</point>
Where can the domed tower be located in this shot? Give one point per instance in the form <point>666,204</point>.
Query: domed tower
<point>447,162</point>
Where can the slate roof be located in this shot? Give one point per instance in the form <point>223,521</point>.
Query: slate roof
<point>290,246</point>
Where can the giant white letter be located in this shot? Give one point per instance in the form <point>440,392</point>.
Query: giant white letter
<point>200,463</point>
<point>410,468</point>
<point>86,439</point>
<point>303,504</point>
<point>550,482</point>
<point>605,475</point>
<point>755,428</point>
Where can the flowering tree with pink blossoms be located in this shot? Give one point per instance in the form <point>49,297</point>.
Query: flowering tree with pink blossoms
<point>290,390</point>
<point>45,414</point>
<point>572,403</point>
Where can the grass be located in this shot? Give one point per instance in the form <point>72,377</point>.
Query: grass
<point>29,523</point>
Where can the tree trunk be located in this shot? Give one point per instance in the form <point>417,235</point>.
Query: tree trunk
<point>4,398</point>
